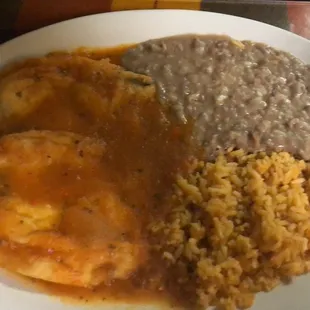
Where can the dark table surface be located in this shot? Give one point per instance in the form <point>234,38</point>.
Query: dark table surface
<point>20,16</point>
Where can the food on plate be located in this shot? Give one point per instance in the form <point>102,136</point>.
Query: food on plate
<point>238,226</point>
<point>180,175</point>
<point>239,94</point>
<point>95,87</point>
<point>60,219</point>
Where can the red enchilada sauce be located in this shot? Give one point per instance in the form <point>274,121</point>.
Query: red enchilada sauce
<point>146,149</point>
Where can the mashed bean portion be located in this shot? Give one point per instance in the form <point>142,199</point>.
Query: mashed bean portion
<point>239,225</point>
<point>245,95</point>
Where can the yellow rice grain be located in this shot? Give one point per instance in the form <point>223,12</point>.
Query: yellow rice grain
<point>240,225</point>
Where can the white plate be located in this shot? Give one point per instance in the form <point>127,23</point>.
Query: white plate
<point>129,27</point>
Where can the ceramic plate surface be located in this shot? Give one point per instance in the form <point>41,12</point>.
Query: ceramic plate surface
<point>111,29</point>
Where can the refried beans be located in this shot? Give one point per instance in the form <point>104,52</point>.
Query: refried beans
<point>237,94</point>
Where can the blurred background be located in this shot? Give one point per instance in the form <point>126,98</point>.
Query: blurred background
<point>20,16</point>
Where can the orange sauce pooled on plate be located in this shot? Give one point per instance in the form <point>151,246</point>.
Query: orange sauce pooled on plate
<point>146,150</point>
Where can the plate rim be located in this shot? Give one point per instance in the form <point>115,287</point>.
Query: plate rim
<point>142,11</point>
